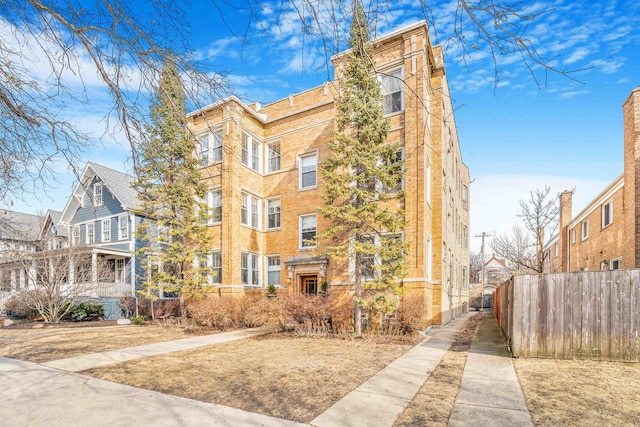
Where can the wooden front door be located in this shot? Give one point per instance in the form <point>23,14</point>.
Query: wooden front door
<point>309,285</point>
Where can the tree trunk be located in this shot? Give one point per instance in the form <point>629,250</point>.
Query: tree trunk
<point>358,310</point>
<point>183,309</point>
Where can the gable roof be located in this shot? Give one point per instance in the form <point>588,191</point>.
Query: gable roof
<point>52,217</point>
<point>20,226</point>
<point>117,183</point>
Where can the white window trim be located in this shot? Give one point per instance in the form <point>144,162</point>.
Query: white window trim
<point>252,145</point>
<point>252,258</point>
<point>98,196</point>
<point>300,240</point>
<point>607,206</point>
<point>268,158</point>
<point>87,235</point>
<point>618,260</point>
<point>314,153</point>
<point>211,206</point>
<point>465,197</point>
<point>584,229</point>
<point>573,236</point>
<point>122,271</point>
<point>258,203</point>
<point>122,218</point>
<point>210,135</point>
<point>102,229</point>
<point>268,268</point>
<point>266,213</point>
<point>386,73</point>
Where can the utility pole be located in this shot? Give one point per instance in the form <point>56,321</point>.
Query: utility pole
<point>483,235</point>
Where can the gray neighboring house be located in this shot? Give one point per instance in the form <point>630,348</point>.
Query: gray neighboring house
<point>100,215</point>
<point>98,218</point>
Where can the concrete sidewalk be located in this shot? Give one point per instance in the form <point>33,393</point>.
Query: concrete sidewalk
<point>380,399</point>
<point>36,395</point>
<point>94,360</point>
<point>490,394</point>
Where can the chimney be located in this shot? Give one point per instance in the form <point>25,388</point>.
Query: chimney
<point>631,239</point>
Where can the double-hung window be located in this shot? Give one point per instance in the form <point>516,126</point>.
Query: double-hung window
<point>465,237</point>
<point>273,213</point>
<point>250,269</point>
<point>308,228</point>
<point>215,264</point>
<point>250,152</point>
<point>119,270</point>
<point>91,233</point>
<point>209,149</point>
<point>106,230</point>
<point>391,82</point>
<point>273,270</point>
<point>465,197</point>
<point>396,167</point>
<point>273,157</point>
<point>250,210</point>
<point>210,267</point>
<point>308,170</point>
<point>607,214</point>
<point>214,203</point>
<point>97,194</point>
<point>368,259</point>
<point>123,227</point>
<point>585,229</point>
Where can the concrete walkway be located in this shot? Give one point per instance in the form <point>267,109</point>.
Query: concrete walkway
<point>490,394</point>
<point>36,395</point>
<point>94,360</point>
<point>52,394</point>
<point>380,399</point>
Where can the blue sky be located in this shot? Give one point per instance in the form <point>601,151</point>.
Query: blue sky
<point>527,130</point>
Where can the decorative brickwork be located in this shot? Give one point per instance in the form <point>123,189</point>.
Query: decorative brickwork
<point>289,136</point>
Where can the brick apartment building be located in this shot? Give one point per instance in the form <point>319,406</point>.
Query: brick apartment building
<point>265,186</point>
<point>605,235</point>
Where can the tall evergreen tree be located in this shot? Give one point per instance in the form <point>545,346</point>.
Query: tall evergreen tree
<point>360,177</point>
<point>171,194</point>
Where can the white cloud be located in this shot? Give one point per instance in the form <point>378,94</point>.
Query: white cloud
<point>573,93</point>
<point>577,55</point>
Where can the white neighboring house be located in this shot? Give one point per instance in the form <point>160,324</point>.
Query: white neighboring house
<point>19,233</point>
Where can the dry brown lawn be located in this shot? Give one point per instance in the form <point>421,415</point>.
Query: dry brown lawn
<point>298,378</point>
<point>433,403</point>
<point>580,392</point>
<point>44,345</point>
<point>278,375</point>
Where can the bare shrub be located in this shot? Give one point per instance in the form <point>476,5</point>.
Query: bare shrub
<point>217,312</point>
<point>410,316</point>
<point>127,306</point>
<point>316,315</point>
<point>17,306</point>
<point>260,311</point>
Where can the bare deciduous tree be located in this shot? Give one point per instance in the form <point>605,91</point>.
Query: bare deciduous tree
<point>56,279</point>
<point>475,266</point>
<point>56,54</point>
<point>524,247</point>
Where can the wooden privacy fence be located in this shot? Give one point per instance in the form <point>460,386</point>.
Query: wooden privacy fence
<point>587,315</point>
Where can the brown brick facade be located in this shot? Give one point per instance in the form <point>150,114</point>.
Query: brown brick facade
<point>606,234</point>
<point>435,181</point>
